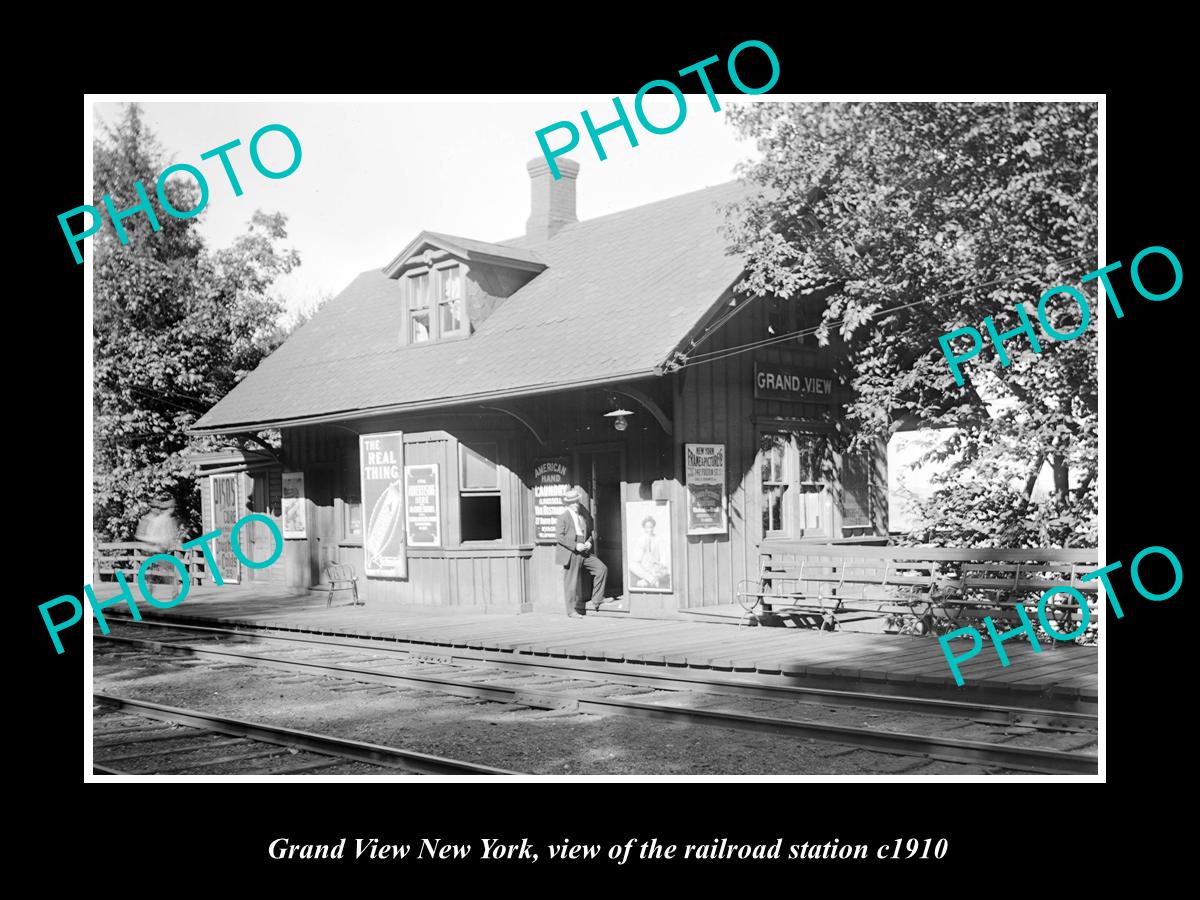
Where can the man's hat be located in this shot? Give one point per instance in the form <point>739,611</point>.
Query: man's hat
<point>574,495</point>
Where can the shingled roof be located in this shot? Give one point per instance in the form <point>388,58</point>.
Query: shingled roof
<point>618,294</point>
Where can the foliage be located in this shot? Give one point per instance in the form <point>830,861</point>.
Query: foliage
<point>176,326</point>
<point>909,220</point>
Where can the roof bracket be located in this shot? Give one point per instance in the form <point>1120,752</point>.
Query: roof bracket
<point>647,403</point>
<point>520,417</point>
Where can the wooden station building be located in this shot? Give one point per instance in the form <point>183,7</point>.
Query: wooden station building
<point>433,413</point>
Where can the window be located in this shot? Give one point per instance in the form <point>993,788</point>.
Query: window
<point>774,483</point>
<point>477,468</point>
<point>856,492</point>
<point>479,493</point>
<point>795,496</point>
<point>434,304</point>
<point>451,316</point>
<point>418,308</point>
<point>352,526</point>
<point>813,517</point>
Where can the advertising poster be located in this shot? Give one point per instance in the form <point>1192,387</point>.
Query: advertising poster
<point>705,479</point>
<point>423,506</point>
<point>381,462</point>
<point>294,505</point>
<point>550,482</point>
<point>226,510</point>
<point>648,546</point>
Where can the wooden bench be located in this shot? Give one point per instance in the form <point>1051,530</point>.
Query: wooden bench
<point>919,590</point>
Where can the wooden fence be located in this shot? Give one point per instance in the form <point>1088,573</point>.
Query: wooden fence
<point>128,556</point>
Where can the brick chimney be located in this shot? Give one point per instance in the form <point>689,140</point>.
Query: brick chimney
<point>553,204</point>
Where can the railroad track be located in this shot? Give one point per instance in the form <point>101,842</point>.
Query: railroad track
<point>124,740</point>
<point>931,746</point>
<point>665,678</point>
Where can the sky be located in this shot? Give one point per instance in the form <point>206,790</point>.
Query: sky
<point>375,174</point>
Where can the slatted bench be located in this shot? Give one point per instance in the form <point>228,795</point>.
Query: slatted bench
<point>919,590</point>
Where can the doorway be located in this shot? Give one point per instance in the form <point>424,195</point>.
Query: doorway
<point>602,477</point>
<point>322,536</point>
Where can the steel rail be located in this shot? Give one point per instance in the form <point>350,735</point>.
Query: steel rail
<point>356,751</point>
<point>929,746</point>
<point>680,680</point>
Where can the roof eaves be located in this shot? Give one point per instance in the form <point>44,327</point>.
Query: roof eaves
<point>512,257</point>
<point>419,405</point>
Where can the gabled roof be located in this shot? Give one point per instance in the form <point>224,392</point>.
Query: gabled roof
<point>616,297</point>
<point>465,248</point>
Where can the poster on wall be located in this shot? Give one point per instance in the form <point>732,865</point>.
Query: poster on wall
<point>381,467</point>
<point>226,510</point>
<point>294,505</point>
<point>423,506</point>
<point>705,480</point>
<point>550,482</point>
<point>648,546</point>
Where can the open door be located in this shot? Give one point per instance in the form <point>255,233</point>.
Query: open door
<point>601,474</point>
<point>322,535</point>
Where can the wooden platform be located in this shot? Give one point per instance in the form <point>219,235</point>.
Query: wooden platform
<point>1062,677</point>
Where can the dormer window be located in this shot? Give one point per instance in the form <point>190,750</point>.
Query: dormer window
<point>433,299</point>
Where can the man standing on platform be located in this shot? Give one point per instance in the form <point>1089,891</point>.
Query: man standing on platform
<point>576,539</point>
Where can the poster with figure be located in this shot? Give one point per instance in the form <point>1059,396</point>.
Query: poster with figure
<point>294,517</point>
<point>381,466</point>
<point>423,507</point>
<point>648,546</point>
<point>704,466</point>
<point>226,511</point>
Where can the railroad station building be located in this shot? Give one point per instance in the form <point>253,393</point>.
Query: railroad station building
<point>433,413</point>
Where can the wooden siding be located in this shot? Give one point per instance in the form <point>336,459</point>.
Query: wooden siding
<point>715,402</point>
<point>483,574</point>
<point>711,402</point>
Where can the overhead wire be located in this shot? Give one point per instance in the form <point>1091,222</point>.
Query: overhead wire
<point>714,355</point>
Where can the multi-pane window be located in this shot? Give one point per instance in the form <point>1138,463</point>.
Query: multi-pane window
<point>434,303</point>
<point>794,490</point>
<point>812,495</point>
<point>774,481</point>
<point>419,324</point>
<point>451,319</point>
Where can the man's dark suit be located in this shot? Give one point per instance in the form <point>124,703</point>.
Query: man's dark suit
<point>572,561</point>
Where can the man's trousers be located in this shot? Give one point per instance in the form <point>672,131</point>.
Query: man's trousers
<point>571,578</point>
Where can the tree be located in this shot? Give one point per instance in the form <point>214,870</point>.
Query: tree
<point>176,326</point>
<point>912,220</point>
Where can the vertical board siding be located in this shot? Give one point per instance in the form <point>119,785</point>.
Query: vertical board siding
<point>480,576</point>
<point>716,404</point>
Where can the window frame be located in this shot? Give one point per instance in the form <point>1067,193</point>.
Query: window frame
<point>348,503</point>
<point>489,450</point>
<point>785,532</point>
<point>433,276</point>
<point>792,505</point>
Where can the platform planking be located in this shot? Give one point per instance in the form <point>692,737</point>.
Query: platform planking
<point>846,660</point>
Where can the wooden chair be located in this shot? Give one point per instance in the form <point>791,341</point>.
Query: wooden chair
<point>343,574</point>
